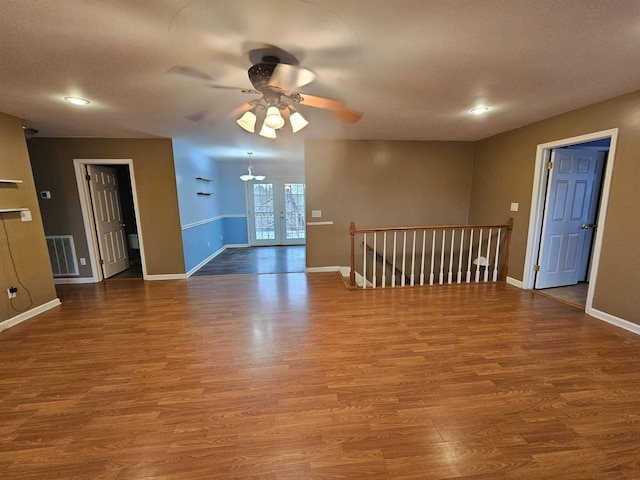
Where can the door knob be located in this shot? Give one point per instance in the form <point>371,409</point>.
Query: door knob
<point>587,227</point>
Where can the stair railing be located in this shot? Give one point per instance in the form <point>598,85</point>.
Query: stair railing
<point>435,254</point>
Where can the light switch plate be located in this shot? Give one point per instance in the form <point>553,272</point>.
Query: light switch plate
<point>25,215</point>
<point>514,207</point>
<point>316,213</point>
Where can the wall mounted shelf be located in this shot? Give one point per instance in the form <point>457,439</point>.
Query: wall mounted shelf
<point>7,210</point>
<point>4,180</point>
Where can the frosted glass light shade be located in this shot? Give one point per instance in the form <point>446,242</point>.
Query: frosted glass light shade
<point>298,122</point>
<point>273,119</point>
<point>267,131</point>
<point>248,121</point>
<point>259,177</point>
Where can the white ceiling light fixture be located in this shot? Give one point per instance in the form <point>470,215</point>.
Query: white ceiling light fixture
<point>250,175</point>
<point>274,118</point>
<point>480,110</point>
<point>77,100</point>
<point>267,132</point>
<point>248,121</point>
<point>298,122</point>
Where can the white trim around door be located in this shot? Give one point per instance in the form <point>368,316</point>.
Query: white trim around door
<point>87,215</point>
<point>538,204</point>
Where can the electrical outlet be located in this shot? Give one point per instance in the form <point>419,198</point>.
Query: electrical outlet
<point>83,261</point>
<point>12,292</point>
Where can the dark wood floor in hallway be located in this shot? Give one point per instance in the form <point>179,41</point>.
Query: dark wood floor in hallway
<point>232,261</point>
<point>292,376</point>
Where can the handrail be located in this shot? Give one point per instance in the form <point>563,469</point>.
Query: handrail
<point>508,227</point>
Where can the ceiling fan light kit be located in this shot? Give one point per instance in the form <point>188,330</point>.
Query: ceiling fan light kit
<point>298,122</point>
<point>274,119</point>
<point>276,82</point>
<point>248,121</point>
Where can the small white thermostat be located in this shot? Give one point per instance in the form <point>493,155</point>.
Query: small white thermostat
<point>45,194</point>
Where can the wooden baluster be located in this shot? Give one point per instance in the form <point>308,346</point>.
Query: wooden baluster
<point>384,261</point>
<point>441,278</point>
<point>495,263</point>
<point>352,255</point>
<point>450,277</point>
<point>413,260</point>
<point>364,262</point>
<point>470,255</point>
<point>424,242</point>
<point>460,256</point>
<point>478,259</point>
<point>486,267</point>
<point>375,259</point>
<point>433,253</point>
<point>404,257</point>
<point>393,268</point>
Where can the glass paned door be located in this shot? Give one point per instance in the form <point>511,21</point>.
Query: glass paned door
<point>276,212</point>
<point>294,211</point>
<point>264,213</point>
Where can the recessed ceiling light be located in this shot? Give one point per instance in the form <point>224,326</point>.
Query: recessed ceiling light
<point>77,100</point>
<point>480,110</point>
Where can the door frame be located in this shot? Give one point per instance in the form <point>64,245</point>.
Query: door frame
<point>87,212</point>
<point>277,181</point>
<point>538,206</point>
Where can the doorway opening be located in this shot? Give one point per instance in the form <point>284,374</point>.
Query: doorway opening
<point>109,206</point>
<point>276,212</point>
<point>568,209</point>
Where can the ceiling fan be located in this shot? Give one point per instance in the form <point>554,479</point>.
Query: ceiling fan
<point>276,76</point>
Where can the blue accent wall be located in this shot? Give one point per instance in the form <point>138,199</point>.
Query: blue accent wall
<point>235,231</point>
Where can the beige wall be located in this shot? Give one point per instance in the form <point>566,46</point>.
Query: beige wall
<point>380,184</point>
<point>504,172</point>
<point>24,241</point>
<point>52,160</point>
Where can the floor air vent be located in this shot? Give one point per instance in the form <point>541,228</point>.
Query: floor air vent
<point>62,253</point>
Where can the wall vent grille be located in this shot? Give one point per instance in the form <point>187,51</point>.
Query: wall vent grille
<point>62,253</point>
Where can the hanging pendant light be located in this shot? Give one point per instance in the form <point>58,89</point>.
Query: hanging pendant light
<point>250,175</point>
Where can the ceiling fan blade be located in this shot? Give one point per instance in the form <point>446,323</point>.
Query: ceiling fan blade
<point>189,72</point>
<point>243,90</point>
<point>349,116</point>
<point>336,106</point>
<point>245,107</point>
<point>290,77</point>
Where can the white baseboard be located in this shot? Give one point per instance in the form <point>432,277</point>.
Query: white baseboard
<point>67,280</point>
<point>613,320</point>
<point>514,282</point>
<point>28,314</point>
<point>205,261</point>
<point>214,255</point>
<point>167,276</point>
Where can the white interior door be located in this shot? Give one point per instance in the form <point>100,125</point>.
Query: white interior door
<point>276,212</point>
<point>570,216</point>
<point>107,213</point>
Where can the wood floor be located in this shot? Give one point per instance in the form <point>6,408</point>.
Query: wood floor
<point>295,377</point>
<point>257,260</point>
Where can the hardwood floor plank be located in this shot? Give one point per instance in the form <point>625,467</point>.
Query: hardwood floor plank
<point>289,376</point>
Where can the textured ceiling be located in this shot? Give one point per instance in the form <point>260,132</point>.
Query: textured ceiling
<point>413,68</point>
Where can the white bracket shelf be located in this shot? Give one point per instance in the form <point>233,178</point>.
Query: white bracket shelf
<point>7,210</point>
<point>4,180</point>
